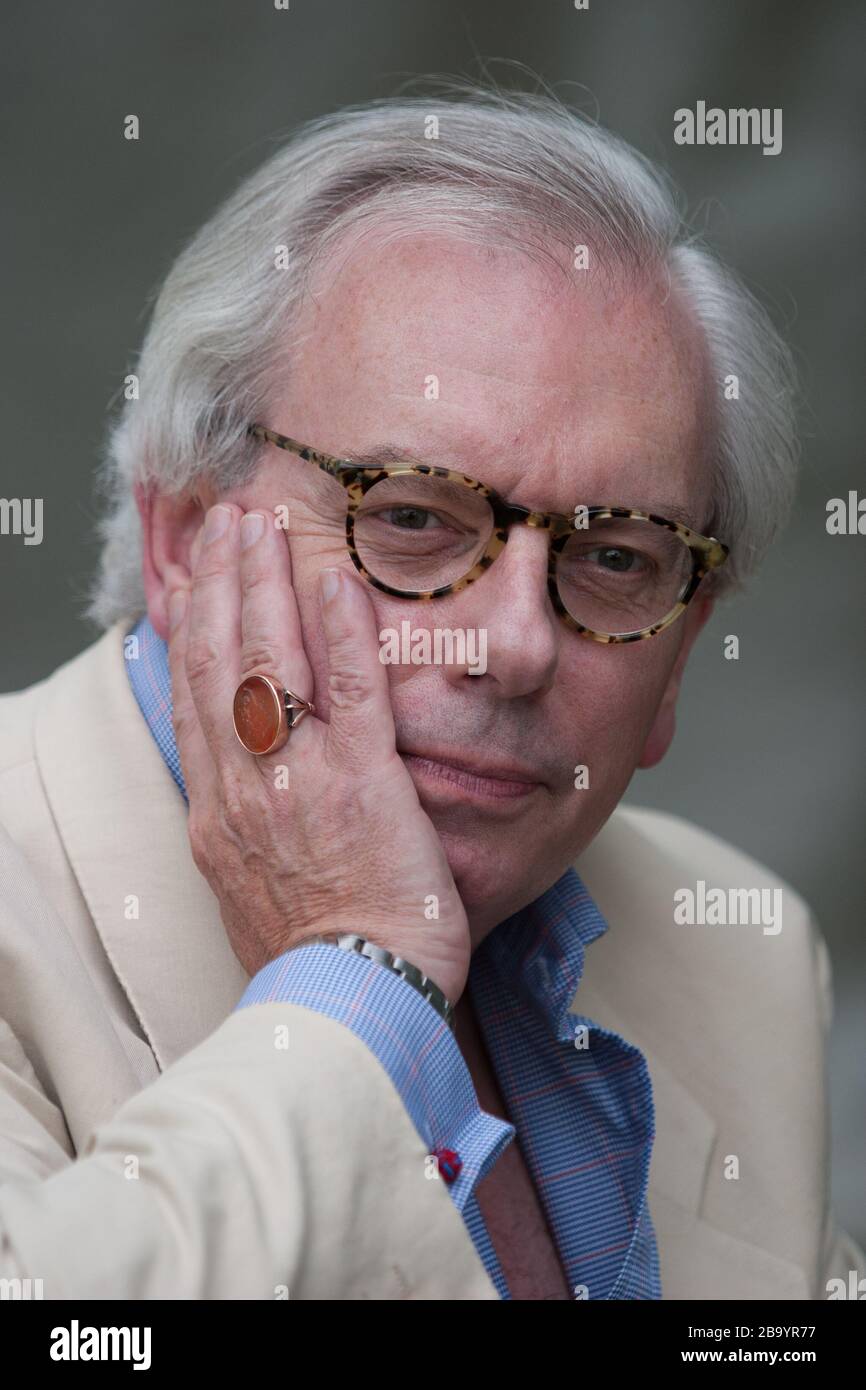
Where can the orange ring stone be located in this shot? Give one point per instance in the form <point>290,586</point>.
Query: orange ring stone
<point>259,714</point>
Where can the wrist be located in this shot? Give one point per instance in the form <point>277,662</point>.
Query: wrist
<point>398,964</point>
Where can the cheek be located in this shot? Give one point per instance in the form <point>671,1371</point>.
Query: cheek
<point>609,700</point>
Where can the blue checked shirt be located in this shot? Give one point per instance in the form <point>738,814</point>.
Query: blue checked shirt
<point>584,1113</point>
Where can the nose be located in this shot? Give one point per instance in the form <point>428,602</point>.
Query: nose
<point>510,603</point>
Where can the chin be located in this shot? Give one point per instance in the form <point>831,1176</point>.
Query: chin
<point>487,877</point>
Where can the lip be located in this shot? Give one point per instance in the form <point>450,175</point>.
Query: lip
<point>490,781</point>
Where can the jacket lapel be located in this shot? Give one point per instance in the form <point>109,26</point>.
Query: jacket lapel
<point>639,980</point>
<point>124,826</point>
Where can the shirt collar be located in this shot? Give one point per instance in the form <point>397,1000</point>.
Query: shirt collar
<point>147,666</point>
<point>537,953</point>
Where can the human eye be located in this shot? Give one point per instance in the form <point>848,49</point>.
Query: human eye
<point>617,559</point>
<point>610,559</point>
<point>410,518</point>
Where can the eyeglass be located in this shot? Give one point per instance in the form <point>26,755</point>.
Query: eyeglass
<point>614,574</point>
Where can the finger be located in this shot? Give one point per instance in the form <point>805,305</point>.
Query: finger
<point>195,760</point>
<point>271,638</point>
<point>213,652</point>
<point>361,726</point>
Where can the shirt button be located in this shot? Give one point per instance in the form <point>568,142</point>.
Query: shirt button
<point>449,1163</point>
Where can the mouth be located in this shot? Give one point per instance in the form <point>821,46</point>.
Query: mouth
<point>476,778</point>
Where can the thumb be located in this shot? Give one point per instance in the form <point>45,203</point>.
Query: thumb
<point>361,728</point>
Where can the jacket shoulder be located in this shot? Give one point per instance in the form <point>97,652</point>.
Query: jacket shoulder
<point>644,863</point>
<point>19,708</point>
<point>688,852</point>
<point>17,719</point>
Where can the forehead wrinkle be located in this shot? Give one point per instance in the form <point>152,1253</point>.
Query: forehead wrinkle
<point>585,394</point>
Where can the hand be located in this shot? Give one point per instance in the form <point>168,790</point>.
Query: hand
<point>345,846</point>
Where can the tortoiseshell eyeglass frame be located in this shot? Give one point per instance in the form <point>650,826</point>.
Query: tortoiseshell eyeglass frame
<point>357,478</point>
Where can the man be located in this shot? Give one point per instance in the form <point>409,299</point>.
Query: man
<point>471,383</point>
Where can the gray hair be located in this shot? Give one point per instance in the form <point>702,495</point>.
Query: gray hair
<point>520,168</point>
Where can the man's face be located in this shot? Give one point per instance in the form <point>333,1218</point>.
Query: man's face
<point>554,394</point>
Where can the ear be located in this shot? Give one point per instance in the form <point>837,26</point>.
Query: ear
<point>168,527</point>
<point>662,732</point>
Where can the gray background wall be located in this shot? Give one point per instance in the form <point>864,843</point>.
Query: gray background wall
<point>770,749</point>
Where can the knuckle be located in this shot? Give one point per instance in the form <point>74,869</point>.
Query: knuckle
<point>259,658</point>
<point>211,565</point>
<point>349,688</point>
<point>256,576</point>
<point>184,720</point>
<point>235,805</point>
<point>202,658</point>
<point>234,816</point>
<point>199,841</point>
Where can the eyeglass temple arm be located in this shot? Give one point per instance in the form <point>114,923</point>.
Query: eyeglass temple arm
<point>713,553</point>
<point>338,468</point>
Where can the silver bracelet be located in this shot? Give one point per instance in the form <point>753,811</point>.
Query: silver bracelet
<point>360,946</point>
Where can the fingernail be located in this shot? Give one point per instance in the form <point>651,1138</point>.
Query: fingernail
<point>216,522</point>
<point>252,527</point>
<point>176,607</point>
<point>329,581</point>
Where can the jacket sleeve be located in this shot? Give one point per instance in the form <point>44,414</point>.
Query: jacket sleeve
<point>415,1046</point>
<point>275,1159</point>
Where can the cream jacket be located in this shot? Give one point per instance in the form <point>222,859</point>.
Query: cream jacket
<point>156,1144</point>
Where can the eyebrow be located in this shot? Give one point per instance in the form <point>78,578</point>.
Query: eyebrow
<point>393,453</point>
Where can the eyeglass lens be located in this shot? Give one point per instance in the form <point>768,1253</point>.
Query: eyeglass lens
<point>416,533</point>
